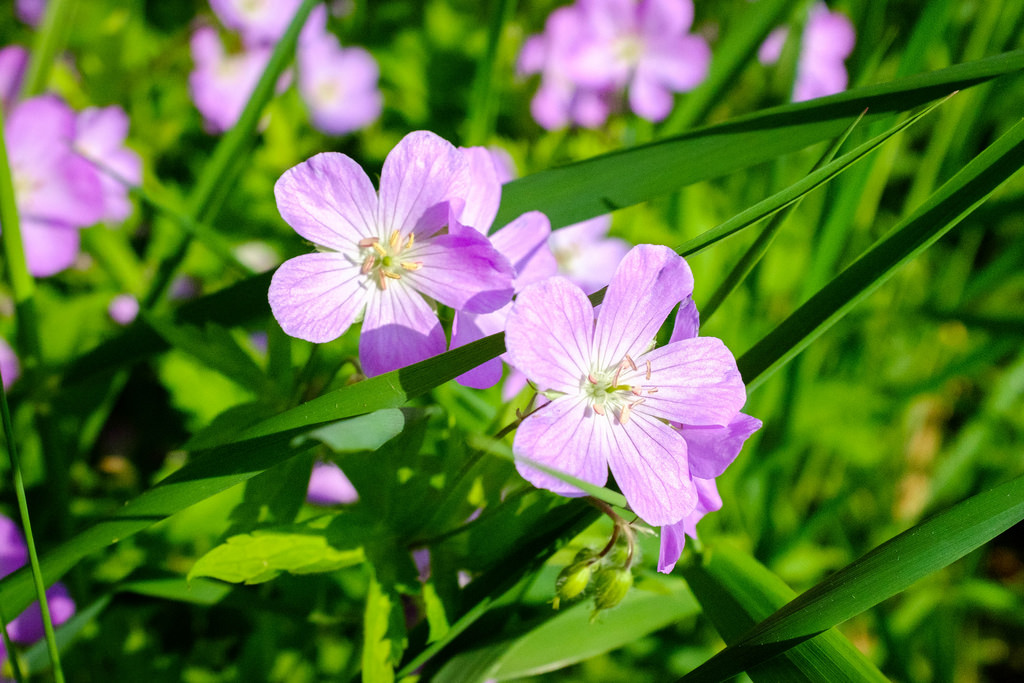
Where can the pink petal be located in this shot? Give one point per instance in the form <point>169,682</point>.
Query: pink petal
<point>317,297</point>
<point>648,461</point>
<point>484,193</point>
<point>687,323</point>
<point>469,327</point>
<point>27,628</point>
<point>679,65</point>
<point>665,17</point>
<point>566,436</point>
<point>771,48</point>
<point>420,176</point>
<point>712,449</point>
<point>697,382</point>
<point>13,551</point>
<point>647,285</point>
<point>399,329</point>
<point>10,370</point>
<point>462,270</point>
<point>673,536</point>
<point>329,200</point>
<point>548,334</point>
<point>328,485</point>
<point>650,99</point>
<point>49,248</point>
<point>524,242</point>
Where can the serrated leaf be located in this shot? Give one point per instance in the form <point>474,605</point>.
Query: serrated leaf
<point>383,634</point>
<point>263,555</point>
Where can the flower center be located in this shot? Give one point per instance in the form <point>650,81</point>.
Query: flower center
<point>619,389</point>
<point>382,261</point>
<point>629,49</point>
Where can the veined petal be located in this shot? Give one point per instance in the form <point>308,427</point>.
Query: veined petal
<point>697,382</point>
<point>399,329</point>
<point>420,175</point>
<point>462,270</point>
<point>316,297</point>
<point>524,242</point>
<point>673,536</point>
<point>484,192</point>
<point>329,200</point>
<point>469,327</point>
<point>649,463</point>
<point>648,283</point>
<point>567,436</point>
<point>712,449</point>
<point>548,334</point>
<point>687,323</point>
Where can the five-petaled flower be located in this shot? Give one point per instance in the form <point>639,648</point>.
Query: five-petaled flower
<point>381,252</point>
<point>612,395</point>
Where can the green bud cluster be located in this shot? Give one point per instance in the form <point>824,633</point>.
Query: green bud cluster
<point>606,579</point>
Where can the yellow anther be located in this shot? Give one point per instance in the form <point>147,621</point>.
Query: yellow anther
<point>393,276</point>
<point>408,244</point>
<point>411,265</point>
<point>598,408</point>
<point>379,249</point>
<point>368,264</point>
<point>648,369</point>
<point>396,237</point>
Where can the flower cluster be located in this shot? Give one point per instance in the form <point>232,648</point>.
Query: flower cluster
<point>338,85</point>
<point>27,628</point>
<point>617,402</point>
<point>827,41</point>
<point>594,51</point>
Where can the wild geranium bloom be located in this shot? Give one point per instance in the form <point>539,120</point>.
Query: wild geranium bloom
<point>381,252</point>
<point>99,137</point>
<point>27,628</point>
<point>9,366</point>
<point>221,83</point>
<point>328,485</point>
<point>644,47</point>
<point>611,395</point>
<point>524,242</point>
<point>828,39</point>
<point>260,22</point>
<point>57,191</point>
<point>710,450</point>
<point>585,253</point>
<point>338,85</point>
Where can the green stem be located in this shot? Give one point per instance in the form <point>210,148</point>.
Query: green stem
<point>483,104</point>
<point>9,646</point>
<point>50,37</point>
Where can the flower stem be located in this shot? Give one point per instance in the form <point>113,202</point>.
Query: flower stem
<point>9,646</point>
<point>49,39</point>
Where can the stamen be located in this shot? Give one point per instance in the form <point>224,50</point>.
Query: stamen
<point>615,377</point>
<point>624,414</point>
<point>648,369</point>
<point>408,245</point>
<point>632,365</point>
<point>598,408</point>
<point>396,237</point>
<point>367,242</point>
<point>393,276</point>
<point>382,280</point>
<point>636,391</point>
<point>652,390</point>
<point>368,264</point>
<point>591,379</point>
<point>411,265</point>
<point>379,249</point>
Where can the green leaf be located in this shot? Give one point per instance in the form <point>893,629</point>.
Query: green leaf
<point>263,555</point>
<point>612,181</point>
<point>213,346</point>
<point>383,634</point>
<point>197,591</point>
<point>36,659</point>
<point>736,592</point>
<point>963,193</point>
<point>880,574</point>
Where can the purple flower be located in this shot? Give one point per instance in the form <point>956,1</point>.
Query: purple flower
<point>261,22</point>
<point>827,41</point>
<point>99,137</point>
<point>612,395</point>
<point>30,11</point>
<point>27,628</point>
<point>221,83</point>
<point>57,191</point>
<point>710,450</point>
<point>338,85</point>
<point>524,242</point>
<point>9,367</point>
<point>13,62</point>
<point>585,253</point>
<point>328,485</point>
<point>380,252</point>
<point>643,47</point>
<point>123,309</point>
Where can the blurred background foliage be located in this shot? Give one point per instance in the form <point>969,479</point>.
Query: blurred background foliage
<point>912,402</point>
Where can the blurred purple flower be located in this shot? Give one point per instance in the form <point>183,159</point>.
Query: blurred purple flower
<point>30,11</point>
<point>99,137</point>
<point>328,485</point>
<point>13,61</point>
<point>611,394</point>
<point>27,628</point>
<point>57,191</point>
<point>585,253</point>
<point>710,450</point>
<point>524,242</point>
<point>380,252</point>
<point>338,85</point>
<point>260,22</point>
<point>123,309</point>
<point>221,83</point>
<point>827,41</point>
<point>10,369</point>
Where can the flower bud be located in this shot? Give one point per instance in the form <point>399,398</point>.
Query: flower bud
<point>610,586</point>
<point>572,581</point>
